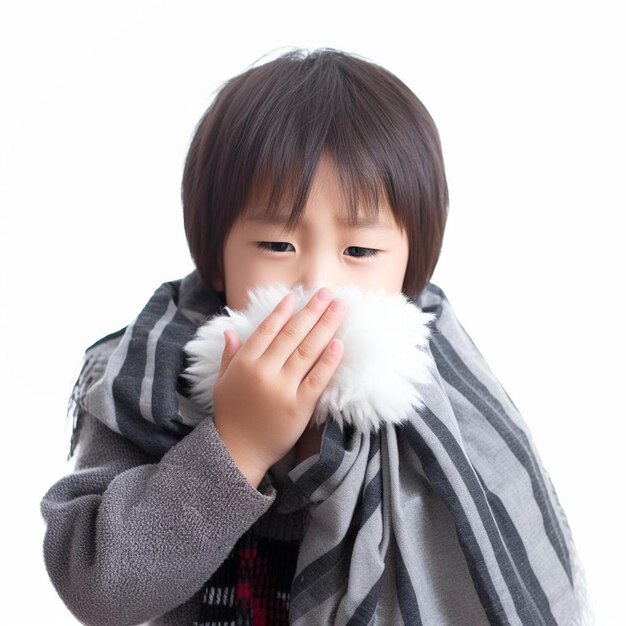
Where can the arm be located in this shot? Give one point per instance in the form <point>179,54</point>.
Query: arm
<point>129,539</point>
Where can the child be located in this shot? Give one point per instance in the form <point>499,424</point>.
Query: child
<point>317,169</point>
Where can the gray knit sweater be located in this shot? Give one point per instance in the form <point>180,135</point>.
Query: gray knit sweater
<point>129,540</point>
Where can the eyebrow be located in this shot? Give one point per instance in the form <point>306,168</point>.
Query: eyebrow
<point>362,221</point>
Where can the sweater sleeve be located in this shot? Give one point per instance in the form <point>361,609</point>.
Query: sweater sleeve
<point>128,539</point>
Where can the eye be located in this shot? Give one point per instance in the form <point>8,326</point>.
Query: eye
<point>267,245</point>
<point>369,252</point>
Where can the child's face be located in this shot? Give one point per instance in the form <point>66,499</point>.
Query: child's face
<point>319,252</point>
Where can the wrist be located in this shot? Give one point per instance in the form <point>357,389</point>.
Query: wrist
<point>245,460</point>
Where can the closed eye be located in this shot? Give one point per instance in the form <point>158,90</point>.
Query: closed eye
<point>267,245</point>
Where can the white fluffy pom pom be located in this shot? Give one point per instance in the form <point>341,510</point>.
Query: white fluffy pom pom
<point>385,355</point>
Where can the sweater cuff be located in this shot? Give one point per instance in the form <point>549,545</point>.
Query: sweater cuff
<point>240,496</point>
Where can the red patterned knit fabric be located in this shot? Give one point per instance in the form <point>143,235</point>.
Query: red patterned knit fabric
<point>252,586</point>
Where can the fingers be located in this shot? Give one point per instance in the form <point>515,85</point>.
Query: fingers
<point>312,347</point>
<point>231,344</point>
<point>314,383</point>
<point>294,337</point>
<point>264,334</point>
<point>226,355</point>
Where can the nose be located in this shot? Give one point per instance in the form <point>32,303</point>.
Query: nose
<point>312,286</point>
<point>314,276</point>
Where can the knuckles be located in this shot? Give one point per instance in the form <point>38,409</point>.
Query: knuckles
<point>305,351</point>
<point>267,327</point>
<point>291,331</point>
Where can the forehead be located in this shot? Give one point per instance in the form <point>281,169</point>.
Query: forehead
<point>381,221</point>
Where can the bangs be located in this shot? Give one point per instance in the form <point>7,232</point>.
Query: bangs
<point>279,189</point>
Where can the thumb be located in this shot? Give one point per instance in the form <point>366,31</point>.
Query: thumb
<point>231,345</point>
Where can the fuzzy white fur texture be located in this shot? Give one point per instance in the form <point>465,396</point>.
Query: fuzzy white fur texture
<point>384,359</point>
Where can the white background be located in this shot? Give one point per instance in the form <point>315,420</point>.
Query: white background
<point>99,103</point>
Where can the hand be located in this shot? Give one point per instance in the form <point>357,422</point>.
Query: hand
<point>267,388</point>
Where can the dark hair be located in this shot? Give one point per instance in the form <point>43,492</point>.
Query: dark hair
<point>267,128</point>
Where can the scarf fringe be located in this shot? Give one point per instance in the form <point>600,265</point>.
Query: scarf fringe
<point>74,404</point>
<point>92,357</point>
<point>585,612</point>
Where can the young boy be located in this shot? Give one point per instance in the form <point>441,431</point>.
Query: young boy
<point>321,170</point>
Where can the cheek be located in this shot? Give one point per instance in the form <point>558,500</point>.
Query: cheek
<point>240,277</point>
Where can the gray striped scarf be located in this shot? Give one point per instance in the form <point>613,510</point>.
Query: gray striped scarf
<point>449,518</point>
